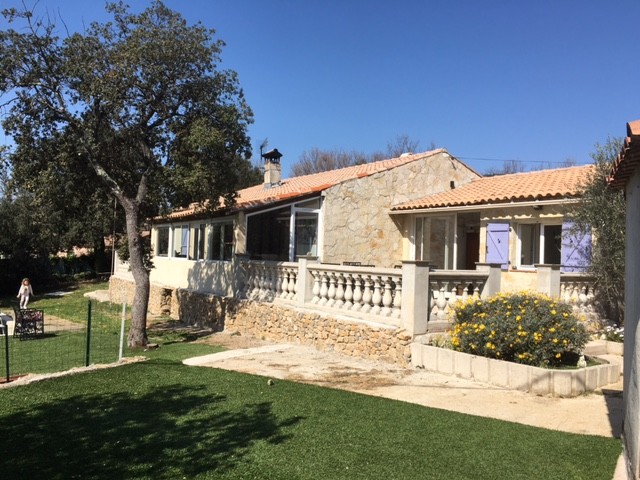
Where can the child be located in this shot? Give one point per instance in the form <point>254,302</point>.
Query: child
<point>24,292</point>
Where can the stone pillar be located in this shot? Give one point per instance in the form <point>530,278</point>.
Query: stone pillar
<point>548,279</point>
<point>304,292</point>
<point>415,297</point>
<point>493,284</point>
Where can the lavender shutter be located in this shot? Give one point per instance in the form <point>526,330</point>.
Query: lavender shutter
<point>576,249</point>
<point>498,244</point>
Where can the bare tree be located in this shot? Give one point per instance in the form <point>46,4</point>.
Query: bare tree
<point>317,160</point>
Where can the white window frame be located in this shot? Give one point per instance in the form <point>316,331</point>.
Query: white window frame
<point>172,249</point>
<point>541,243</point>
<point>293,209</point>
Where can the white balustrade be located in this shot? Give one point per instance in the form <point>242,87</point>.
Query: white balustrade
<point>362,292</point>
<point>449,288</point>
<point>579,292</point>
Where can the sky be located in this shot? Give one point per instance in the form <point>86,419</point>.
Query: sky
<point>539,82</point>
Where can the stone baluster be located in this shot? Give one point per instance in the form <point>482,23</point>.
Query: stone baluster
<point>477,291</point>
<point>331,293</point>
<point>376,298</point>
<point>296,284</point>
<point>339,291</point>
<point>292,283</point>
<point>453,299</point>
<point>442,303</point>
<point>465,293</point>
<point>324,289</point>
<point>387,298</point>
<point>357,293</point>
<point>397,299</point>
<point>367,294</point>
<point>433,301</point>
<point>268,289</point>
<point>316,286</point>
<point>284,283</point>
<point>248,288</point>
<point>348,292</point>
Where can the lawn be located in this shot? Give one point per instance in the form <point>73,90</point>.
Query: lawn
<point>163,420</point>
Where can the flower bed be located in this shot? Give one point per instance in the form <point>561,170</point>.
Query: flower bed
<point>526,328</point>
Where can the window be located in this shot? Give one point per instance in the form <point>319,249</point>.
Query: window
<point>180,241</point>
<point>162,246</point>
<point>199,236</point>
<point>539,244</point>
<point>221,241</point>
<point>434,241</point>
<point>306,234</point>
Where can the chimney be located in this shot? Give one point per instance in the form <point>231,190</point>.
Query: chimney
<point>272,169</point>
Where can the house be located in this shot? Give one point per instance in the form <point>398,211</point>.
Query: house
<point>366,259</point>
<point>626,174</point>
<point>518,221</point>
<point>338,216</point>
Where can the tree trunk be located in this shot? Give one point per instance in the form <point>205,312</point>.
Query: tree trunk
<point>138,332</point>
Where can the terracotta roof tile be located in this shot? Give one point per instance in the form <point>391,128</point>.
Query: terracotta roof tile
<point>629,157</point>
<point>308,184</point>
<point>516,187</point>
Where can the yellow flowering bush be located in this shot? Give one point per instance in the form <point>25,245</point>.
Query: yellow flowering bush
<point>521,327</point>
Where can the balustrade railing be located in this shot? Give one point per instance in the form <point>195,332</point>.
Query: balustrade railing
<point>578,290</point>
<point>446,288</point>
<point>266,281</point>
<point>357,289</point>
<point>362,292</point>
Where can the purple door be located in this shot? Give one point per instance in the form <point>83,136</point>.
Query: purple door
<point>498,244</point>
<point>576,249</point>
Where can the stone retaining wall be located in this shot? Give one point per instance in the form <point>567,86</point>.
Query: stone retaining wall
<point>277,323</point>
<point>161,300</point>
<point>540,381</point>
<point>292,325</point>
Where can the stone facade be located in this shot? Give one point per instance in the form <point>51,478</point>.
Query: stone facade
<point>357,226</point>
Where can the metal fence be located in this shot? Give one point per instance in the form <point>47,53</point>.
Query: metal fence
<point>65,344</point>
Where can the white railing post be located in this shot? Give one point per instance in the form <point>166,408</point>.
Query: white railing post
<point>548,279</point>
<point>492,285</point>
<point>415,297</point>
<point>305,282</point>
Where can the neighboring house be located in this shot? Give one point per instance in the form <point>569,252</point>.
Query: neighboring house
<point>337,216</point>
<point>626,174</point>
<point>518,221</point>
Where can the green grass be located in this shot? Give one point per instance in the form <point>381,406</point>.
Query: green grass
<point>163,420</point>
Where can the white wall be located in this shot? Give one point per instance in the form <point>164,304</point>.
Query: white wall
<point>631,430</point>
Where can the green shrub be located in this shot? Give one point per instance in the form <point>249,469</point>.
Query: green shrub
<point>521,327</point>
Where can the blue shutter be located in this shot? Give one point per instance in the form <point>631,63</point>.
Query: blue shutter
<point>576,249</point>
<point>498,244</point>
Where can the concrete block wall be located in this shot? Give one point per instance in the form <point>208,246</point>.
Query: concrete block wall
<point>540,381</point>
